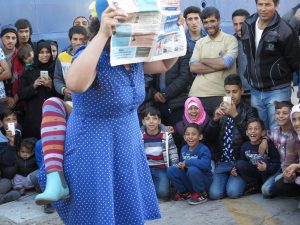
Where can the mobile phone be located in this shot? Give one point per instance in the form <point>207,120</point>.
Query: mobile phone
<point>227,100</point>
<point>44,74</point>
<point>11,127</point>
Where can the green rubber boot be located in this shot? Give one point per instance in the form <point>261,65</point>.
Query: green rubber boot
<point>56,189</point>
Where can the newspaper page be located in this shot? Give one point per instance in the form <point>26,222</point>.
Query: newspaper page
<point>149,33</point>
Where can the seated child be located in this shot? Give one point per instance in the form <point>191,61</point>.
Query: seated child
<point>227,130</point>
<point>288,184</point>
<point>192,176</point>
<point>8,147</point>
<point>10,139</point>
<point>253,167</point>
<point>26,167</point>
<point>160,150</point>
<point>287,143</point>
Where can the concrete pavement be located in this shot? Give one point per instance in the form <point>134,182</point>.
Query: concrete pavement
<point>249,210</point>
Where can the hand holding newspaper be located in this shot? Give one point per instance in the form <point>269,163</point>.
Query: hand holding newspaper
<point>150,32</point>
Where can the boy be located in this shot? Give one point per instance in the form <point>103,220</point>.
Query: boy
<point>192,175</point>
<point>287,143</point>
<point>160,150</point>
<point>229,125</point>
<point>253,167</point>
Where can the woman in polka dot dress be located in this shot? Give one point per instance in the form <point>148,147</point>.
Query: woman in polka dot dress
<point>104,161</point>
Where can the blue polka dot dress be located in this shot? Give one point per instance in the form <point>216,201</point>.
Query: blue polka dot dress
<point>104,161</point>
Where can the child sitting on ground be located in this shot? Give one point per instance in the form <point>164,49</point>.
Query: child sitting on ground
<point>10,139</point>
<point>26,167</point>
<point>160,150</point>
<point>287,143</point>
<point>192,175</point>
<point>253,167</point>
<point>288,184</point>
<point>8,147</point>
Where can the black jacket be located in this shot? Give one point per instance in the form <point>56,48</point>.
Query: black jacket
<point>177,82</point>
<point>271,66</point>
<point>217,129</point>
<point>8,153</point>
<point>25,167</point>
<point>34,99</point>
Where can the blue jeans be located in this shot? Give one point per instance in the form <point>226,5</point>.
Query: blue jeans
<point>191,180</point>
<point>226,184</point>
<point>266,188</point>
<point>264,103</point>
<point>161,182</point>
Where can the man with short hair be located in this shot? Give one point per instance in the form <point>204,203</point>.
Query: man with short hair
<point>78,37</point>
<point>213,60</point>
<point>24,29</point>
<point>9,41</point>
<point>272,50</point>
<point>238,18</point>
<point>193,33</point>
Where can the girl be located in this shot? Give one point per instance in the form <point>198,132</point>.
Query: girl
<point>192,176</point>
<point>35,89</point>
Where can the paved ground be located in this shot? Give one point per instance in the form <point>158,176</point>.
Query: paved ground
<point>245,211</point>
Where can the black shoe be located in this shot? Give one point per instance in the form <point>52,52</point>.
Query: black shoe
<point>48,208</point>
<point>9,197</point>
<point>252,189</point>
<point>268,196</point>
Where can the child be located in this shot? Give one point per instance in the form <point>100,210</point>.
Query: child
<point>288,185</point>
<point>9,142</point>
<point>253,167</point>
<point>160,150</point>
<point>8,147</point>
<point>26,55</point>
<point>228,126</point>
<point>287,143</point>
<point>26,167</point>
<point>192,175</point>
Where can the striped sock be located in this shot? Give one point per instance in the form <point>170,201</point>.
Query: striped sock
<point>53,133</point>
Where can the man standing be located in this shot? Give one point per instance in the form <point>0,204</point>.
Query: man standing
<point>238,18</point>
<point>24,32</point>
<point>213,60</point>
<point>78,37</point>
<point>9,41</point>
<point>193,33</point>
<point>272,49</point>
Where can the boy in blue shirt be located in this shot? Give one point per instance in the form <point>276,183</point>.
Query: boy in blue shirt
<point>192,175</point>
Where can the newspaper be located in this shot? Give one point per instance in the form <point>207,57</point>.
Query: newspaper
<point>149,33</point>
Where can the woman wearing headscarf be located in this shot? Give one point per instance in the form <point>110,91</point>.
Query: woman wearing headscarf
<point>193,113</point>
<point>35,89</point>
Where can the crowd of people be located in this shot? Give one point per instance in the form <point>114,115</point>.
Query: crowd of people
<point>217,123</point>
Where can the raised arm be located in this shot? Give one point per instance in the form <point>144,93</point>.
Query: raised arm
<point>82,72</point>
<point>160,66</point>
